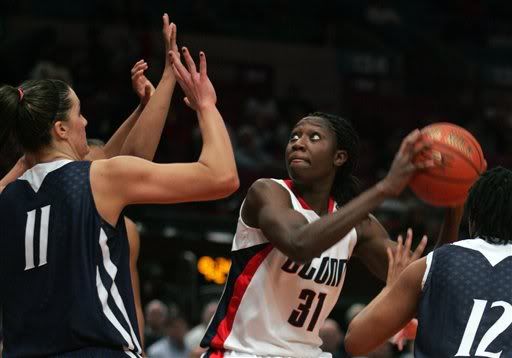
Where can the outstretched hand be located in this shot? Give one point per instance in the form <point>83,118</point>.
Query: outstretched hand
<point>414,154</point>
<point>141,85</point>
<point>199,91</point>
<point>169,33</point>
<point>402,256</point>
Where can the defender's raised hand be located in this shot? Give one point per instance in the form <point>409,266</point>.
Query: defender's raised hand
<point>401,257</point>
<point>169,32</point>
<point>141,85</point>
<point>197,86</point>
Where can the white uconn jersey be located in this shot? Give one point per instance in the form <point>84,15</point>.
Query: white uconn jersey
<point>272,306</point>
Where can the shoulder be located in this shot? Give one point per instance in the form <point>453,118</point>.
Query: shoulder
<point>263,193</point>
<point>265,189</point>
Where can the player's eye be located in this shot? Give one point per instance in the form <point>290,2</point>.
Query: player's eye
<point>294,137</point>
<point>315,136</point>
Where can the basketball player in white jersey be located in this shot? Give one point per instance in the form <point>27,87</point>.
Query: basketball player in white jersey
<point>461,293</point>
<point>294,239</point>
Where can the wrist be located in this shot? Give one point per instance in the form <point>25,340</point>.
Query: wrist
<point>383,189</point>
<point>206,108</point>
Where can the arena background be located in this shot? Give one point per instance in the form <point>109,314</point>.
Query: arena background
<point>389,66</point>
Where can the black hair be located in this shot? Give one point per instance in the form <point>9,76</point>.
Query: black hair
<point>489,206</point>
<point>93,142</point>
<point>28,112</point>
<point>346,185</point>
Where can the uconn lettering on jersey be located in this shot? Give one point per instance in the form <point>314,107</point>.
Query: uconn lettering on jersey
<point>329,272</point>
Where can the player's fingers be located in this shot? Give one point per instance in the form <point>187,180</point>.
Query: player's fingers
<point>408,243</point>
<point>187,102</point>
<point>409,140</point>
<point>181,71</point>
<point>398,253</point>
<point>137,75</point>
<point>425,164</point>
<point>174,35</point>
<point>134,68</point>
<point>202,64</point>
<point>419,250</point>
<point>189,61</point>
<point>391,261</point>
<point>165,23</point>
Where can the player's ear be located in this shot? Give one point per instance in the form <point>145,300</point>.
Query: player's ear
<point>340,157</point>
<point>60,129</point>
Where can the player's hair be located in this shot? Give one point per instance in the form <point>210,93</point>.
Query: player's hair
<point>488,206</point>
<point>28,112</point>
<point>94,142</point>
<point>346,185</point>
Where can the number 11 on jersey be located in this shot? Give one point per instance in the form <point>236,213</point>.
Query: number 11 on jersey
<point>43,237</point>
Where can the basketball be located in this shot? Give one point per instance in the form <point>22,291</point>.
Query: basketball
<point>462,162</point>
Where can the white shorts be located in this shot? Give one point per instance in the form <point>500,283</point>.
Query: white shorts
<point>233,354</point>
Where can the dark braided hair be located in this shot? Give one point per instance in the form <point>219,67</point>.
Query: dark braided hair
<point>489,206</point>
<point>28,112</point>
<point>345,186</point>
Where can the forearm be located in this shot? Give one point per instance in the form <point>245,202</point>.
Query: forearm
<point>114,145</point>
<point>217,152</point>
<point>311,240</point>
<point>143,139</point>
<point>450,227</point>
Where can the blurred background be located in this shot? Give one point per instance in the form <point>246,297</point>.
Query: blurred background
<point>388,66</point>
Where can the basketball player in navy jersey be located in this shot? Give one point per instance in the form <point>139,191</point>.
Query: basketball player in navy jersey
<point>461,293</point>
<point>294,239</point>
<point>64,267</point>
<point>149,129</point>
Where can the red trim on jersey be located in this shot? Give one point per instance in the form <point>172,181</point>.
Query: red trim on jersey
<point>303,203</point>
<point>216,353</point>
<point>241,284</point>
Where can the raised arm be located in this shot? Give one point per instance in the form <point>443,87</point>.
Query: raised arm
<point>382,316</point>
<point>143,139</point>
<point>121,181</point>
<point>268,207</point>
<point>144,90</point>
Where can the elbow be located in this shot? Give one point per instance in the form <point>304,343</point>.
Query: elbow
<point>351,345</point>
<point>299,252</point>
<point>227,184</point>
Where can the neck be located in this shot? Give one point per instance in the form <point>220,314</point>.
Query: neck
<point>316,195</point>
<point>51,154</point>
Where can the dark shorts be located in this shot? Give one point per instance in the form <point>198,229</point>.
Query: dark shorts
<point>97,353</point>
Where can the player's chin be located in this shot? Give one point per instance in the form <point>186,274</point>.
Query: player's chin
<point>300,173</point>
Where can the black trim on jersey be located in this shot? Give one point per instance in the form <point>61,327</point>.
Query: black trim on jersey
<point>239,260</point>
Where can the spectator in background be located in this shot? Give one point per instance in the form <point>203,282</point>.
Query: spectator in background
<point>195,335</point>
<point>173,345</point>
<point>156,313</point>
<point>332,339</point>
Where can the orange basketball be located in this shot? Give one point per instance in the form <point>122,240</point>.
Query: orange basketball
<point>462,163</point>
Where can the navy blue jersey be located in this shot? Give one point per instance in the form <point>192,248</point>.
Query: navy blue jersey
<point>466,305</point>
<point>64,272</point>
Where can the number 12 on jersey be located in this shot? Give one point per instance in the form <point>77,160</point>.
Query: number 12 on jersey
<point>298,316</point>
<point>30,228</point>
<point>492,333</point>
